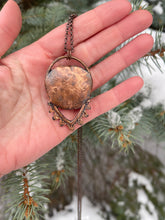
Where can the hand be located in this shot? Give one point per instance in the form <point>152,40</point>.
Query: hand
<point>27,130</point>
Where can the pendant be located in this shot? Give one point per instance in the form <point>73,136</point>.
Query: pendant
<point>68,87</point>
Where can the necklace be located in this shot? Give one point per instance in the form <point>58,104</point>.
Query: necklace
<point>69,87</point>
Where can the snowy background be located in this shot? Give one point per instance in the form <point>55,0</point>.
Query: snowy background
<point>154,87</point>
<point>90,212</point>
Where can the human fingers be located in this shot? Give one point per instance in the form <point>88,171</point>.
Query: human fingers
<point>105,102</point>
<point>10,158</point>
<point>120,60</point>
<point>85,26</point>
<point>10,25</point>
<point>102,43</point>
<point>110,99</point>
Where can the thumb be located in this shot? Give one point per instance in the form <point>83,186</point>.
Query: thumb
<point>10,25</point>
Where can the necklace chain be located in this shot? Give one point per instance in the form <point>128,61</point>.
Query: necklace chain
<point>69,43</point>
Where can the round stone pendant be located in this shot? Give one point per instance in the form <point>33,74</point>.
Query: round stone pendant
<point>68,87</point>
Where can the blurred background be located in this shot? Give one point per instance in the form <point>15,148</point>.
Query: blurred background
<point>123,175</point>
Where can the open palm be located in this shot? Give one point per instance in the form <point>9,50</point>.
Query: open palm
<point>27,130</point>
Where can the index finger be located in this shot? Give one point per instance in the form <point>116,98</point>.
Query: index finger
<point>86,25</point>
<point>10,25</point>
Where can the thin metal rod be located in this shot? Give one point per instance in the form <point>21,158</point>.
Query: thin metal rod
<point>79,164</point>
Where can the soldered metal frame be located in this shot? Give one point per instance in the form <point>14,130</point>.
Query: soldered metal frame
<point>85,106</point>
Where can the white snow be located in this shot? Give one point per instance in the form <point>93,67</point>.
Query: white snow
<point>158,8</point>
<point>154,80</point>
<point>60,159</point>
<point>141,180</point>
<point>154,83</point>
<point>142,197</point>
<point>133,117</point>
<point>143,212</point>
<point>136,114</point>
<point>89,212</point>
<point>113,118</point>
<point>144,4</point>
<point>146,103</point>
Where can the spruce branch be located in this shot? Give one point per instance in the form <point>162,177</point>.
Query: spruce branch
<point>111,126</point>
<point>28,203</point>
<point>140,5</point>
<point>27,191</point>
<point>159,52</point>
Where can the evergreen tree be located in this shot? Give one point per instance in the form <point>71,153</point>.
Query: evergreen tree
<point>49,182</point>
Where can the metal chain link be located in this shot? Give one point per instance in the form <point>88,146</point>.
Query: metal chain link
<point>68,43</point>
